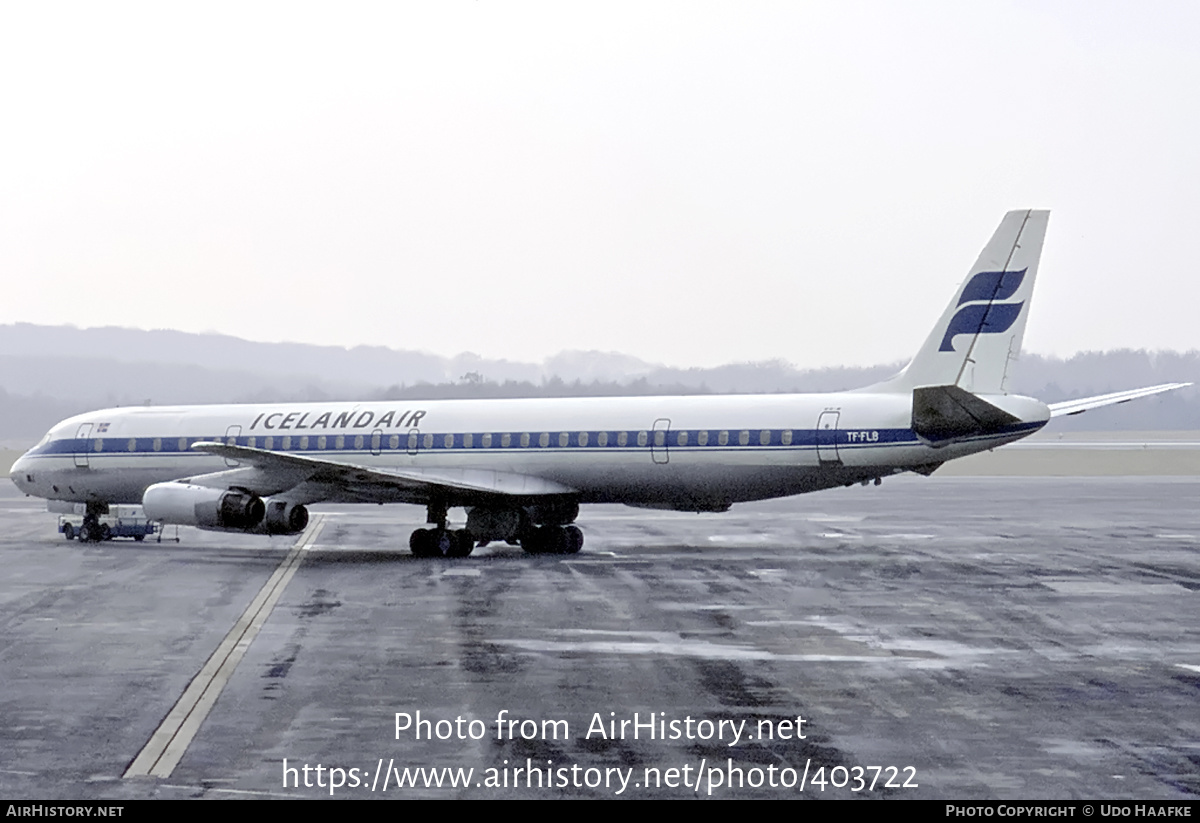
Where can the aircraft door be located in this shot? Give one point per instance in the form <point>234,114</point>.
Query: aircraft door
<point>83,444</point>
<point>231,436</point>
<point>658,440</point>
<point>827,423</point>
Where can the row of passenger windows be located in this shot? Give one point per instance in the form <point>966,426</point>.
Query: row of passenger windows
<point>413,441</point>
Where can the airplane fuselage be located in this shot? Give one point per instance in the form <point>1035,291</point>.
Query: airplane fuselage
<point>521,468</point>
<point>690,453</point>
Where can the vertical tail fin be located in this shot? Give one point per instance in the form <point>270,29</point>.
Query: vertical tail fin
<point>979,335</point>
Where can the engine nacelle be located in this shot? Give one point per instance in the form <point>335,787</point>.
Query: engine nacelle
<point>186,505</point>
<point>284,518</point>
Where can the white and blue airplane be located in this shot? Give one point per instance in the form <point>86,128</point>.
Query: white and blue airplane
<point>522,467</point>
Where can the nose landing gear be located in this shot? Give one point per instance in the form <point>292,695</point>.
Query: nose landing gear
<point>92,530</point>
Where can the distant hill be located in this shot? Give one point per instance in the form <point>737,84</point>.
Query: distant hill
<point>50,372</point>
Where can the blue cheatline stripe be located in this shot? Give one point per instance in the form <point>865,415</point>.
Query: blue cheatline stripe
<point>636,440</point>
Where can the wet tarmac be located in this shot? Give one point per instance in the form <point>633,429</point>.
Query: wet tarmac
<point>971,638</point>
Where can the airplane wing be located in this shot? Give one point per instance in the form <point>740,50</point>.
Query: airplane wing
<point>1085,404</point>
<point>270,473</point>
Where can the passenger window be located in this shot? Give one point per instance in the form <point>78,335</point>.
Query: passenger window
<point>643,438</point>
<point>393,441</point>
<point>304,442</point>
<point>467,440</point>
<point>158,444</point>
<point>544,440</point>
<point>412,441</point>
<point>723,438</point>
<point>583,438</point>
<point>564,439</point>
<point>448,442</point>
<point>340,442</point>
<point>321,442</point>
<point>133,444</point>
<point>506,440</point>
<point>428,441</point>
<point>487,441</point>
<point>681,439</point>
<point>602,439</point>
<point>764,437</point>
<point>702,438</point>
<point>250,441</point>
<point>183,444</point>
<point>287,442</point>
<point>99,444</point>
<point>660,438</point>
<point>358,441</point>
<point>744,438</point>
<point>786,437</point>
<point>525,440</point>
<point>622,439</point>
<point>268,444</point>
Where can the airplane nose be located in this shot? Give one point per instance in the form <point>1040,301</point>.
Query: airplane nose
<point>24,470</point>
<point>20,468</point>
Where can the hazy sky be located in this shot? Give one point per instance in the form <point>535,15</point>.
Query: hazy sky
<point>692,183</point>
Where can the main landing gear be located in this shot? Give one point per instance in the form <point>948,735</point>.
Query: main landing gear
<point>441,542</point>
<point>539,529</point>
<point>552,540</point>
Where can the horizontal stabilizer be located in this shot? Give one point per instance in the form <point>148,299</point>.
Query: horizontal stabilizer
<point>1087,403</point>
<point>947,412</point>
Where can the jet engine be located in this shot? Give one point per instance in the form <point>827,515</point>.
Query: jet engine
<point>217,509</point>
<point>284,518</point>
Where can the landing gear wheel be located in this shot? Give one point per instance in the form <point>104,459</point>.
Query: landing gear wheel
<point>440,543</point>
<point>419,542</point>
<point>91,530</point>
<point>574,539</point>
<point>553,540</point>
<point>68,531</point>
<point>529,542</point>
<point>556,540</point>
<point>464,544</point>
<point>533,541</point>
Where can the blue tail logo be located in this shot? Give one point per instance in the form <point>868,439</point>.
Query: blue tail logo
<point>983,315</point>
